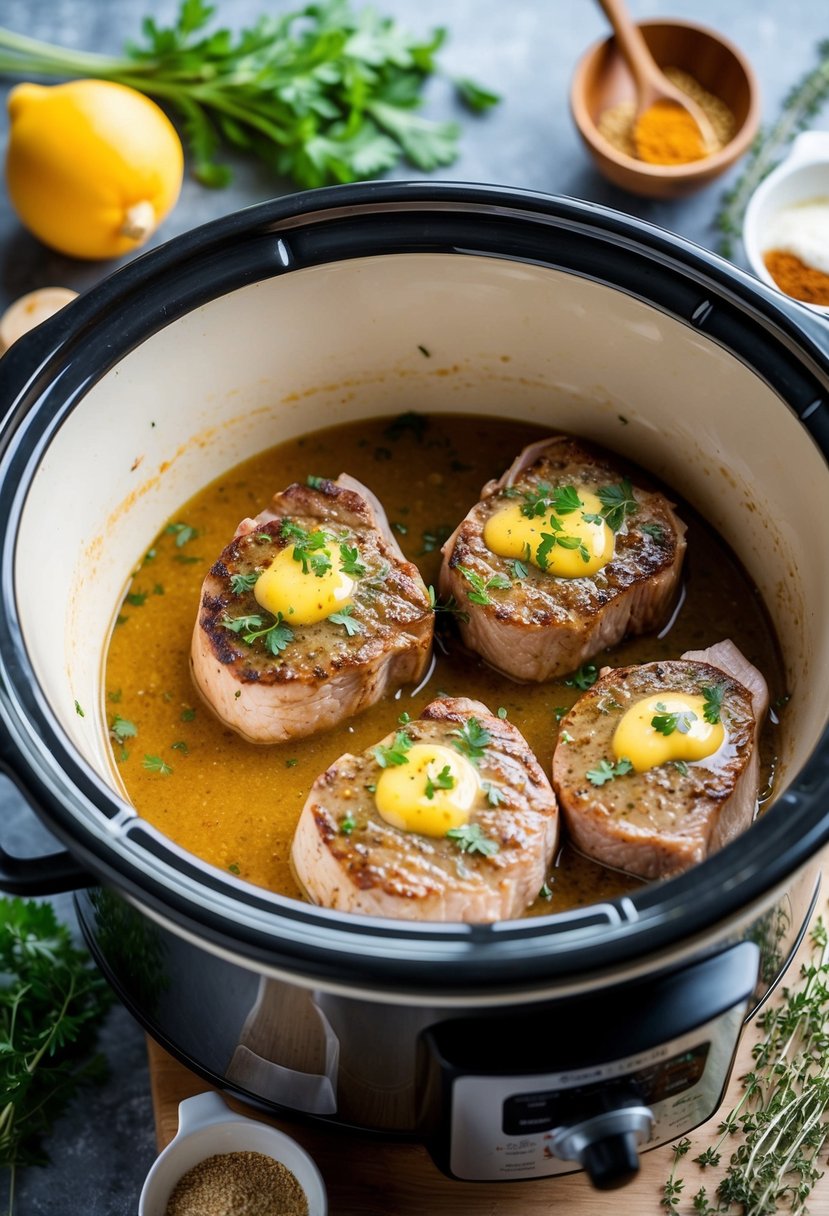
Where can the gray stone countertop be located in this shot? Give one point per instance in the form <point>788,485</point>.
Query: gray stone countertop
<point>524,49</point>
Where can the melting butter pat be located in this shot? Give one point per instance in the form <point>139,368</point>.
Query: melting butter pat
<point>303,598</point>
<point>580,545</point>
<point>692,738</point>
<point>403,792</point>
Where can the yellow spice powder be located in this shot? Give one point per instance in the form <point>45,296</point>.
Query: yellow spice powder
<point>616,124</point>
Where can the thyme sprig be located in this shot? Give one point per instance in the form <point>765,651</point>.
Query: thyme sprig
<point>782,1116</point>
<point>801,103</point>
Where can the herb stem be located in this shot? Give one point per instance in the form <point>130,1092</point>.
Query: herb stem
<point>802,102</point>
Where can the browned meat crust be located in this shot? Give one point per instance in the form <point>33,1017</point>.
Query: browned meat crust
<point>348,857</point>
<point>662,821</point>
<point>541,626</point>
<point>325,674</point>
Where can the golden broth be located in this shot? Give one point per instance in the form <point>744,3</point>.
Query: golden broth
<point>235,804</point>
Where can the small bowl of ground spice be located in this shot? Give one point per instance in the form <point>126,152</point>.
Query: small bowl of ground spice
<point>786,225</point>
<point>703,65</point>
<point>224,1164</point>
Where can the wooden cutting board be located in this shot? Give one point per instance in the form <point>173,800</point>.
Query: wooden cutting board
<point>374,1177</point>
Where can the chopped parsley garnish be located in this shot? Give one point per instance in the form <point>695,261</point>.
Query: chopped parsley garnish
<point>712,697</point>
<point>180,746</point>
<point>409,423</point>
<point>276,636</point>
<point>234,867</point>
<point>480,587</point>
<point>549,540</point>
<point>469,838</point>
<point>79,709</point>
<point>681,767</point>
<point>666,722</point>
<point>350,560</point>
<point>617,503</point>
<point>545,892</point>
<point>605,771</point>
<point>264,537</point>
<point>188,714</point>
<point>388,757</point>
<point>443,781</point>
<point>122,729</point>
<point>347,825</point>
<point>242,583</point>
<point>405,718</point>
<point>559,711</point>
<point>136,598</point>
<point>434,539</point>
<point>494,794</point>
<point>309,548</point>
<point>154,764</point>
<point>292,763</point>
<point>583,677</point>
<point>471,739</point>
<point>502,713</point>
<point>563,500</point>
<point>344,617</point>
<point>315,483</point>
<point>400,528</point>
<point>182,532</point>
<point>519,569</point>
<point>654,530</point>
<point>115,696</point>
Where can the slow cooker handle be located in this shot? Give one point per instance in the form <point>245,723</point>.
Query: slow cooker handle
<point>47,874</point>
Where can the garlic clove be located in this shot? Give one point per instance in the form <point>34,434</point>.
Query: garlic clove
<point>30,311</point>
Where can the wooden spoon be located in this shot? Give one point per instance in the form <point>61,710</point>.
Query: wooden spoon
<point>652,85</point>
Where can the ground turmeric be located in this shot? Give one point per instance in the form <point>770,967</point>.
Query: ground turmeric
<point>616,124</point>
<point>796,279</point>
<point>666,134</point>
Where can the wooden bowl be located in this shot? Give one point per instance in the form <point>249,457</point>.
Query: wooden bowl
<point>602,80</point>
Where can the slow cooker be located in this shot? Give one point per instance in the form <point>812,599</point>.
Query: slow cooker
<point>515,1050</point>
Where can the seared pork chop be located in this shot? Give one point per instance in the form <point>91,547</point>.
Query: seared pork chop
<point>272,677</point>
<point>659,821</point>
<point>491,864</point>
<point>622,551</point>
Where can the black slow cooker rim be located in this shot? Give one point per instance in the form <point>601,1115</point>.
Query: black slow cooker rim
<point>52,370</point>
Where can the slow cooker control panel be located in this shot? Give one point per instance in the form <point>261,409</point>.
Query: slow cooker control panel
<point>596,1108</point>
<point>507,1126</point>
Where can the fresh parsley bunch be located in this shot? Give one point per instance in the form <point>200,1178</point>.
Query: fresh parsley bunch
<point>322,94</point>
<point>51,1002</point>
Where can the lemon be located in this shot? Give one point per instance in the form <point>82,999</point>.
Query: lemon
<point>92,167</point>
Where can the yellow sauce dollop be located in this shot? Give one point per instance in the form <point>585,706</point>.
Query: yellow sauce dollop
<point>510,533</point>
<point>402,797</point>
<point>639,741</point>
<point>303,598</point>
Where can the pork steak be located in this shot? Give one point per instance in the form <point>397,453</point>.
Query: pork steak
<point>271,678</point>
<point>523,617</point>
<point>348,856</point>
<point>662,820</point>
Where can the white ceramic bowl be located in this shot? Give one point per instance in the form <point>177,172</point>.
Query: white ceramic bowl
<point>207,1126</point>
<point>802,177</point>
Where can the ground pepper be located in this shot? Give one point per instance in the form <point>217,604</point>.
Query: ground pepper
<point>238,1184</point>
<point>796,279</point>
